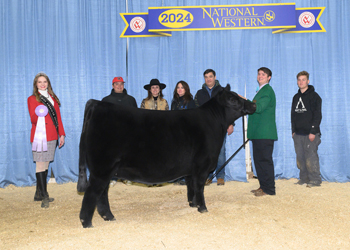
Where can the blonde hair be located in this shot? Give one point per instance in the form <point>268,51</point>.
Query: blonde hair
<point>303,73</point>
<point>49,88</point>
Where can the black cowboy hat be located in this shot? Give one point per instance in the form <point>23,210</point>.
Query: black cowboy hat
<point>154,82</point>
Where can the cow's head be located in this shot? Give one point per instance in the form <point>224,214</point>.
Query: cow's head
<point>235,106</point>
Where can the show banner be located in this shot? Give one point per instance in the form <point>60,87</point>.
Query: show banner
<point>281,17</point>
<point>307,20</point>
<point>137,26</point>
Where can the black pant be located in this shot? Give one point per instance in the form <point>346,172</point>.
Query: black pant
<point>262,154</point>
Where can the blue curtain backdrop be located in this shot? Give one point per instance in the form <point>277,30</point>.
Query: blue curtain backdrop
<point>76,42</point>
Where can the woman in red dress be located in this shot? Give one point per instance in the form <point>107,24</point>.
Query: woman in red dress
<point>47,128</point>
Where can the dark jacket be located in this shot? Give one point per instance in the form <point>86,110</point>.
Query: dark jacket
<point>121,99</point>
<point>306,112</point>
<point>202,95</point>
<point>179,104</point>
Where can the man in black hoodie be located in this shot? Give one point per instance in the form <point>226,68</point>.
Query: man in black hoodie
<point>119,95</point>
<point>306,119</point>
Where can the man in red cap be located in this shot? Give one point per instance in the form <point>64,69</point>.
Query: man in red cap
<point>119,95</point>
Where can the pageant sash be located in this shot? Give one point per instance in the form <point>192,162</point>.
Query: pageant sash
<point>40,140</point>
<point>52,112</point>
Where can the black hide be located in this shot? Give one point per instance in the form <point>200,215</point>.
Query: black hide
<point>152,146</point>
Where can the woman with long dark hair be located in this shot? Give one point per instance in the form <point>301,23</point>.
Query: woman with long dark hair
<point>183,98</point>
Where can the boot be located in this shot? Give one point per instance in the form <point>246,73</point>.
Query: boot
<point>38,195</point>
<point>41,180</point>
<point>50,199</point>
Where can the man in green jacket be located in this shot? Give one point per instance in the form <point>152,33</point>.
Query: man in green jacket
<point>262,132</point>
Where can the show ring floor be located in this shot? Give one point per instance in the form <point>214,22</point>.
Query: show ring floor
<point>160,218</point>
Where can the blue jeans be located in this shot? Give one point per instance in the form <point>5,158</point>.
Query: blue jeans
<point>221,161</point>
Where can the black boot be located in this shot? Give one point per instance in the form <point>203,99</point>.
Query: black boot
<point>50,199</point>
<point>38,194</point>
<point>41,180</point>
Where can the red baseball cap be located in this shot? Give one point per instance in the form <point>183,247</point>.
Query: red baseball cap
<point>118,79</point>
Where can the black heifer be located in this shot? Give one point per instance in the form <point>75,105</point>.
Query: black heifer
<point>152,147</point>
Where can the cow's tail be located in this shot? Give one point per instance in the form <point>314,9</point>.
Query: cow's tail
<point>82,179</point>
<point>83,183</point>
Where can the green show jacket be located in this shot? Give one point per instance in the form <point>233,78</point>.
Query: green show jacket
<point>262,124</point>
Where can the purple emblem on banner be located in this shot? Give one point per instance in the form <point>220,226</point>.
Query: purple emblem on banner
<point>40,140</point>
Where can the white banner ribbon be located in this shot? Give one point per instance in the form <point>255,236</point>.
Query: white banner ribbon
<point>40,140</point>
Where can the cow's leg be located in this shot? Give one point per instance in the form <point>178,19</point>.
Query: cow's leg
<point>190,192</point>
<point>198,199</point>
<point>92,194</point>
<point>103,207</point>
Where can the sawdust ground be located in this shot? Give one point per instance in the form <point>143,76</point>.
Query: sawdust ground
<point>160,218</point>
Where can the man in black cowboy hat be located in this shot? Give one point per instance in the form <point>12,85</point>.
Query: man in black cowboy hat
<point>154,100</point>
<point>119,95</point>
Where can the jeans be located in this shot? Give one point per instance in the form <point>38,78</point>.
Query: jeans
<point>307,158</point>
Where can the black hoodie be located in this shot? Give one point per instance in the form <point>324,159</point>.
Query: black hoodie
<point>306,112</point>
<point>121,99</point>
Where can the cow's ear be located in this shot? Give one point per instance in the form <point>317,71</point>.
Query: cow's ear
<point>228,87</point>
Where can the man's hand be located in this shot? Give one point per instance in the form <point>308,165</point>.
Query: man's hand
<point>311,137</point>
<point>242,97</point>
<point>230,129</point>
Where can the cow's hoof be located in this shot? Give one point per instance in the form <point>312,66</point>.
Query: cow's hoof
<point>202,210</point>
<point>192,204</point>
<point>86,225</point>
<point>108,218</point>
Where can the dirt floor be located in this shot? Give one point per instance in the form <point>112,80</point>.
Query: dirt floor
<point>160,218</point>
